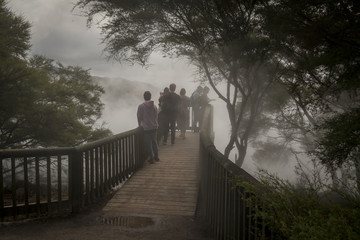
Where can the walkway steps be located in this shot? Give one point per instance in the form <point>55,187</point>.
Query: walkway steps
<point>168,187</point>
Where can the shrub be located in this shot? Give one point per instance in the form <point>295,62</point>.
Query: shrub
<point>297,213</point>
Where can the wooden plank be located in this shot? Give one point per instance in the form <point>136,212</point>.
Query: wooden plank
<point>168,187</point>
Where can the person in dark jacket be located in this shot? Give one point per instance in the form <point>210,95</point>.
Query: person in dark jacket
<point>147,117</point>
<point>183,118</point>
<point>204,100</point>
<point>195,104</point>
<point>161,116</point>
<point>170,104</point>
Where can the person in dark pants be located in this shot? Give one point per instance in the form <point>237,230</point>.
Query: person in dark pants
<point>204,100</point>
<point>147,117</point>
<point>170,104</point>
<point>184,113</point>
<point>161,116</point>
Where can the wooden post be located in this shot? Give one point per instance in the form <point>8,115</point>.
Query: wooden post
<point>2,212</point>
<point>76,185</point>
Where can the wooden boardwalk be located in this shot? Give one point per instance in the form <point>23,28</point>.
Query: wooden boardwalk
<point>168,187</point>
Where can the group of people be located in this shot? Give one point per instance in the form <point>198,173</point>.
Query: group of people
<point>173,111</point>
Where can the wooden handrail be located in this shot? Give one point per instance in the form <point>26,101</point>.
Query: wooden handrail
<point>92,169</point>
<point>222,202</point>
<point>34,152</point>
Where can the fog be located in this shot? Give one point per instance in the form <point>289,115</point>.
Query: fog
<point>122,97</point>
<point>62,35</point>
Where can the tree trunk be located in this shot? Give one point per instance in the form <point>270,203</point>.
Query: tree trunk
<point>229,147</point>
<point>242,153</point>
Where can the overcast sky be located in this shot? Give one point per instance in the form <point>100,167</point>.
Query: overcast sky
<point>62,35</point>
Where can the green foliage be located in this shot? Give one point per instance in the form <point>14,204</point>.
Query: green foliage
<point>42,103</point>
<point>55,106</point>
<point>341,139</point>
<point>317,43</point>
<point>14,34</point>
<point>298,213</point>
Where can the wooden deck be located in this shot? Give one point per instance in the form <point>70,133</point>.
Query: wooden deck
<point>167,187</point>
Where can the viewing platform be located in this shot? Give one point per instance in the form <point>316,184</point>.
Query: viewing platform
<point>107,189</point>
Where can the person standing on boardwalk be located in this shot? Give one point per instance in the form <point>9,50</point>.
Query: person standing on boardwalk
<point>161,116</point>
<point>170,107</point>
<point>195,104</point>
<point>204,100</point>
<point>184,113</point>
<point>147,117</point>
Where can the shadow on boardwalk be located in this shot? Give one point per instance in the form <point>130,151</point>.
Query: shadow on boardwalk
<point>91,227</point>
<point>154,213</point>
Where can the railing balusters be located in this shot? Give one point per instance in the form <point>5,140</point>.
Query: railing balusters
<point>26,187</point>
<point>87,172</point>
<point>131,139</point>
<point>127,160</point>
<point>101,171</point>
<point>123,165</point>
<point>59,164</point>
<point>224,204</point>
<point>97,169</point>
<point>109,166</point>
<point>113,165</point>
<point>117,161</point>
<point>48,181</point>
<point>13,187</point>
<point>137,155</point>
<point>106,168</point>
<point>91,193</point>
<point>37,184</point>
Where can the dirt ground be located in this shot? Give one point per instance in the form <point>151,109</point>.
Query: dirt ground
<point>95,224</point>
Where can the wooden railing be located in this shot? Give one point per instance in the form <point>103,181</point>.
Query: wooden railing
<point>36,182</point>
<point>223,203</point>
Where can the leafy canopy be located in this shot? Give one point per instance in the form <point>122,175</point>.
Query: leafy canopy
<point>42,103</point>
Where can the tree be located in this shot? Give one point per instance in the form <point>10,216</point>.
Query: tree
<point>221,37</point>
<point>318,42</point>
<point>341,141</point>
<point>42,103</point>
<point>14,34</point>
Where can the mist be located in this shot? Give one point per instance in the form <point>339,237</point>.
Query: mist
<point>62,35</point>
<point>122,97</point>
